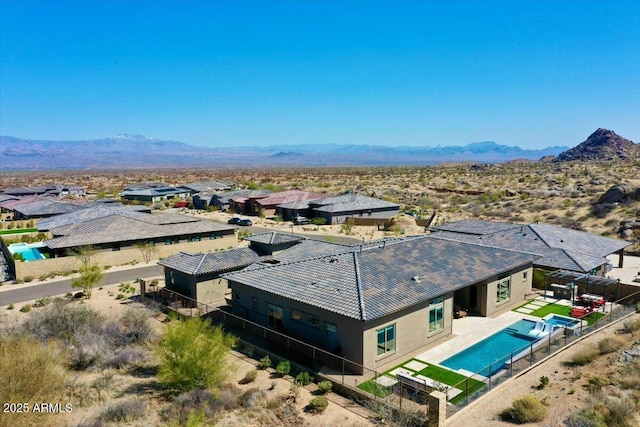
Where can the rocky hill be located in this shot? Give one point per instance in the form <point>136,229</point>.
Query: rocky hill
<point>603,144</point>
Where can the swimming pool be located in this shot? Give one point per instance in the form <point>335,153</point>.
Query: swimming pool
<point>494,350</point>
<point>29,251</point>
<point>565,322</point>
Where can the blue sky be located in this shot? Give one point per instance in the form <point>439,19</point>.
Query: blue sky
<point>229,73</point>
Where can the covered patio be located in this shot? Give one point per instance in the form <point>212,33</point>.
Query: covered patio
<point>585,288</point>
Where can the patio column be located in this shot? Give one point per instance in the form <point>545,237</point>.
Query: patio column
<point>620,258</point>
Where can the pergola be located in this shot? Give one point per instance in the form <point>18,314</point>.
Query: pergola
<point>582,283</point>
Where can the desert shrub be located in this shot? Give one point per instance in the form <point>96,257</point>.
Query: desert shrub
<point>249,377</point>
<point>585,418</point>
<point>42,302</point>
<point>131,356</point>
<point>132,328</point>
<point>595,384</point>
<point>630,326</point>
<point>265,363</point>
<point>124,411</point>
<point>609,345</point>
<point>283,368</point>
<point>251,397</point>
<point>619,413</point>
<point>319,221</point>
<point>193,355</point>
<point>26,308</point>
<point>185,404</point>
<point>91,423</point>
<point>525,409</point>
<point>317,405</point>
<point>544,382</point>
<point>11,307</point>
<point>304,378</point>
<point>583,357</point>
<point>325,386</point>
<point>63,321</point>
<point>28,279</point>
<point>88,350</point>
<point>120,296</point>
<point>30,373</point>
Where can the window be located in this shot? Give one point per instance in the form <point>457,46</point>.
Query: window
<point>254,302</point>
<point>503,287</point>
<point>313,320</point>
<point>331,332</point>
<point>274,315</point>
<point>172,277</point>
<point>212,236</point>
<point>167,241</point>
<point>436,315</point>
<point>386,340</point>
<point>524,275</point>
<point>236,295</point>
<point>297,315</point>
<point>196,238</point>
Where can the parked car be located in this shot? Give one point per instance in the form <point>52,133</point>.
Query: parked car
<point>301,220</point>
<point>234,220</point>
<point>245,222</point>
<point>181,204</point>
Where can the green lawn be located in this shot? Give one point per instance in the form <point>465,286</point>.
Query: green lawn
<point>436,373</point>
<point>19,231</point>
<point>564,310</point>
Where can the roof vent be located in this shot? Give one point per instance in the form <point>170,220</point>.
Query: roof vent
<point>416,279</point>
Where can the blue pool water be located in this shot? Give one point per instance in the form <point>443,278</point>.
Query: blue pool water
<point>29,252</point>
<point>494,350</point>
<point>564,322</point>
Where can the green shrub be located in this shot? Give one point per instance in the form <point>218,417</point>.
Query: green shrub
<point>317,405</point>
<point>525,409</point>
<point>304,378</point>
<point>28,279</point>
<point>193,355</point>
<point>595,384</point>
<point>319,221</point>
<point>283,368</point>
<point>586,418</point>
<point>583,357</point>
<point>26,308</point>
<point>544,381</point>
<point>120,296</point>
<point>249,377</point>
<point>42,302</point>
<point>265,363</point>
<point>609,345</point>
<point>619,413</point>
<point>125,411</point>
<point>11,307</point>
<point>325,386</point>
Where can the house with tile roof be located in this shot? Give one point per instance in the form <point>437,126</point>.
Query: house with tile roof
<point>155,194</point>
<point>337,209</point>
<point>267,204</point>
<point>376,304</point>
<point>558,247</point>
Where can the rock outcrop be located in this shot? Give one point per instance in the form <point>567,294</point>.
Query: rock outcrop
<point>603,144</point>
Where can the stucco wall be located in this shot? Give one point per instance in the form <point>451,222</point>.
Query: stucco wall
<point>411,333</point>
<point>209,291</point>
<point>39,268</point>
<point>349,331</point>
<point>520,286</point>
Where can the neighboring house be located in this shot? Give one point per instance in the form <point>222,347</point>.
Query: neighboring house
<point>58,190</point>
<point>33,207</point>
<point>209,186</point>
<point>376,305</point>
<point>198,275</point>
<point>558,247</point>
<point>157,194</point>
<point>336,210</point>
<point>267,204</point>
<point>222,200</point>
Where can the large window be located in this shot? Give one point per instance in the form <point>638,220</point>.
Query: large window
<point>503,287</point>
<point>386,340</point>
<point>274,314</point>
<point>436,315</point>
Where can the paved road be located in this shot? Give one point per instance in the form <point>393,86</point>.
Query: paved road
<point>27,293</point>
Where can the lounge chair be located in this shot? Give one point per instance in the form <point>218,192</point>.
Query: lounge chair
<point>537,329</point>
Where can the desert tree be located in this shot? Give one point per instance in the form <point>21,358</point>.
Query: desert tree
<point>147,250</point>
<point>83,254</point>
<point>192,356</point>
<point>90,276</point>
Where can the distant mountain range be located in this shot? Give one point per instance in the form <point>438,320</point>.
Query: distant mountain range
<point>139,152</point>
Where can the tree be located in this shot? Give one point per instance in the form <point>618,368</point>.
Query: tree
<point>147,249</point>
<point>90,276</point>
<point>193,356</point>
<point>83,254</point>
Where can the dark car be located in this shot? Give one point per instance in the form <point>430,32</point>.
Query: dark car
<point>235,220</point>
<point>245,222</point>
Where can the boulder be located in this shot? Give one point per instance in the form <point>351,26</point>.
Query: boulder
<point>616,194</point>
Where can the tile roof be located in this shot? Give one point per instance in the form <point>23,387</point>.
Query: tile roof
<point>374,283</point>
<point>156,191</point>
<point>92,211</point>
<point>558,247</point>
<point>46,207</point>
<point>273,238</point>
<point>130,226</point>
<point>350,202</point>
<point>287,197</point>
<point>210,262</point>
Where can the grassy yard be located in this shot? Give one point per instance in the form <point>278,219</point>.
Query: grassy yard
<point>436,373</point>
<point>564,310</point>
<point>19,231</point>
